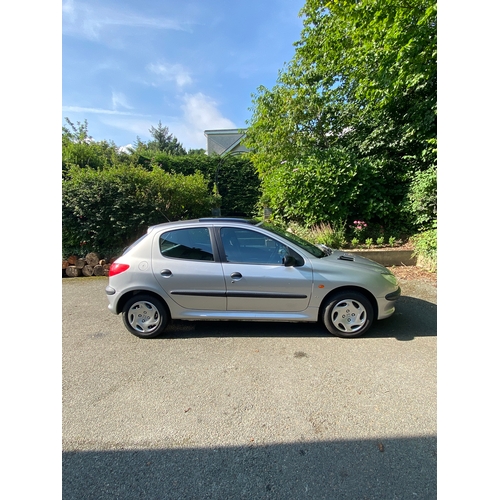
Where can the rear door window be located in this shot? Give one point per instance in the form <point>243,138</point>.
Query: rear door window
<point>190,244</point>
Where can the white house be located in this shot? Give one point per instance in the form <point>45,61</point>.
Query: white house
<point>225,141</point>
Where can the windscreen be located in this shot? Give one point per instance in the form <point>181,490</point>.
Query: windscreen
<point>305,245</point>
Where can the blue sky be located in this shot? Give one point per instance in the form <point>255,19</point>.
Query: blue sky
<point>192,64</point>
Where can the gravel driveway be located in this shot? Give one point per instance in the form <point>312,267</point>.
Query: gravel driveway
<point>220,410</point>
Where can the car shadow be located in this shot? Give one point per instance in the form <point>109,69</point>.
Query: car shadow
<point>343,469</point>
<point>413,318</point>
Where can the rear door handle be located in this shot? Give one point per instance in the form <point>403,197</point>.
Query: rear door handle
<point>166,273</point>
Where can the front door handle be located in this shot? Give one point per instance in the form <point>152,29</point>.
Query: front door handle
<point>236,277</point>
<point>166,273</point>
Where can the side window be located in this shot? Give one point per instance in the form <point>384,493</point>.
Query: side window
<point>190,244</point>
<point>251,247</point>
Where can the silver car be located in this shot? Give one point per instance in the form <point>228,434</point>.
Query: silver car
<point>236,269</point>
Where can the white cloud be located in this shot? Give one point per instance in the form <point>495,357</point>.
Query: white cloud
<point>119,100</point>
<point>200,113</point>
<point>125,149</point>
<point>171,72</point>
<point>137,126</point>
<point>81,19</point>
<point>68,8</point>
<point>100,111</point>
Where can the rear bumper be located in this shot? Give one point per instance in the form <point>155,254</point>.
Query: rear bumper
<point>112,298</point>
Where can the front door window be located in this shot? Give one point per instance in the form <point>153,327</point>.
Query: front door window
<point>256,277</point>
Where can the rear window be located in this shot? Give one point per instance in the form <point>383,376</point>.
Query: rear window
<point>188,243</point>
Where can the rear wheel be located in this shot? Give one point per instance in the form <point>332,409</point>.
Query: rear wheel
<point>145,316</point>
<point>348,314</point>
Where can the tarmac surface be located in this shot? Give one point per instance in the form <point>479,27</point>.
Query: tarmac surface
<point>222,410</point>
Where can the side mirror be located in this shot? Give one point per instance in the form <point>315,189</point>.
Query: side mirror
<point>289,261</point>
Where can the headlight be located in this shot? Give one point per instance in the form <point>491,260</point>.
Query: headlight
<point>390,278</point>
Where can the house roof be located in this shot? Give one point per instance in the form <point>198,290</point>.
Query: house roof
<point>225,141</point>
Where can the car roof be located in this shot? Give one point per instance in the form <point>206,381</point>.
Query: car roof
<point>203,220</point>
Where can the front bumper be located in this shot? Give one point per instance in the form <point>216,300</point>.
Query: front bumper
<point>386,305</point>
<point>394,295</point>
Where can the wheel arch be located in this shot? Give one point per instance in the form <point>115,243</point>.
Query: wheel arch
<point>346,289</point>
<point>126,296</point>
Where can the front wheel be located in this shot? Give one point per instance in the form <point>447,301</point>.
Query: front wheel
<point>145,316</point>
<point>348,314</point>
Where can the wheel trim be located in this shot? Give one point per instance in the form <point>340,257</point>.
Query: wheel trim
<point>144,317</point>
<point>349,316</point>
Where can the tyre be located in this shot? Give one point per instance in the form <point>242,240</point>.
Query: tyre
<point>348,314</point>
<point>145,316</point>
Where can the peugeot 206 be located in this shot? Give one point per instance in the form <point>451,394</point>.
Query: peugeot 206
<point>238,269</point>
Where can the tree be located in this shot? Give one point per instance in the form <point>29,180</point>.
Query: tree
<point>78,134</point>
<point>164,141</point>
<point>198,151</point>
<point>363,81</point>
<point>80,149</point>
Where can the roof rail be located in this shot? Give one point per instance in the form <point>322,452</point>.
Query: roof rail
<point>225,219</point>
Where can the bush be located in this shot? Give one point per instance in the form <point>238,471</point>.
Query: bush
<point>333,186</point>
<point>237,179</point>
<point>104,210</point>
<point>422,198</point>
<point>313,190</point>
<point>425,245</point>
<point>331,235</point>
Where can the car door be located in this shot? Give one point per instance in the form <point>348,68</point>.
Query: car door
<point>256,277</point>
<point>185,267</point>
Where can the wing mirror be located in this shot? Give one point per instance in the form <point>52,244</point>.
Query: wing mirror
<point>289,261</point>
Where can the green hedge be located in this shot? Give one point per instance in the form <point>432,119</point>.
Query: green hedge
<point>238,181</point>
<point>105,210</point>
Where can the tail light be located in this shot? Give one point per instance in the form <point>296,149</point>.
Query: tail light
<point>117,269</point>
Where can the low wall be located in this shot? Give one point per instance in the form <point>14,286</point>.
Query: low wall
<point>388,257</point>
